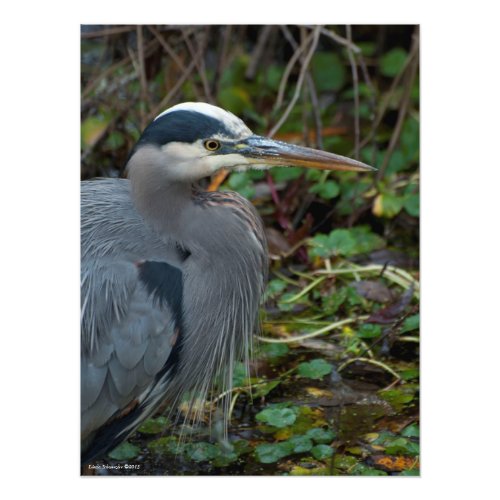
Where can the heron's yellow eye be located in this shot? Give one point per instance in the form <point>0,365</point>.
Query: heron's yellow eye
<point>212,145</point>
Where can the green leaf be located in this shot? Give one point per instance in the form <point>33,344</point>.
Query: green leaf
<point>369,331</point>
<point>398,398</point>
<point>366,241</point>
<point>300,444</point>
<point>342,242</point>
<point>411,323</point>
<point>315,369</point>
<point>124,451</point>
<point>409,374</point>
<point>322,451</point>
<point>328,71</point>
<point>274,350</point>
<point>326,190</point>
<point>241,182</point>
<point>167,445</point>
<point>321,436</point>
<point>284,174</point>
<point>320,246</point>
<point>387,205</point>
<point>410,472</point>
<point>277,417</point>
<point>268,453</point>
<point>345,462</point>
<point>401,446</point>
<point>331,303</point>
<point>345,242</point>
<point>364,470</point>
<point>412,205</point>
<point>411,431</point>
<point>262,390</point>
<point>202,451</point>
<point>274,288</point>
<point>392,62</point>
<point>154,425</point>
<point>410,138</point>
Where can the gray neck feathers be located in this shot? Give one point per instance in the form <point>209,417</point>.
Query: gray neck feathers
<point>223,277</point>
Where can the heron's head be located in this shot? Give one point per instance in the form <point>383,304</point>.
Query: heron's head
<point>194,140</point>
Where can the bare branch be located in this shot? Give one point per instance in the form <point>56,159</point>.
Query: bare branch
<point>355,83</point>
<point>342,41</point>
<point>403,109</point>
<point>300,81</point>
<point>284,79</point>
<point>258,51</point>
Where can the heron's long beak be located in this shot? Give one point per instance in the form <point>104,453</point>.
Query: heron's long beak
<point>277,153</point>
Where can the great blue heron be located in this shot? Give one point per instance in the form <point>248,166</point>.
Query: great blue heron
<point>172,276</point>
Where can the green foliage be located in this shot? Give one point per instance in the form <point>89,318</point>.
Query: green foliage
<point>242,183</point>
<point>268,453</point>
<point>369,331</point>
<point>392,62</point>
<point>328,71</point>
<point>354,219</point>
<point>345,242</point>
<point>321,436</point>
<point>274,350</point>
<point>277,416</point>
<point>411,323</point>
<point>322,451</point>
<point>315,369</point>
<point>154,425</point>
<point>124,451</point>
<point>326,190</point>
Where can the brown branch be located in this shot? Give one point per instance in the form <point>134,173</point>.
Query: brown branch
<point>167,48</point>
<point>197,56</point>
<point>142,73</point>
<point>312,92</point>
<point>403,109</point>
<point>342,41</point>
<point>178,84</point>
<point>150,47</point>
<point>300,81</point>
<point>385,102</point>
<point>221,59</point>
<point>355,83</point>
<point>286,74</point>
<point>108,31</point>
<point>258,51</point>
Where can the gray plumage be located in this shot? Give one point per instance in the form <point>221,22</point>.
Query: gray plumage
<point>171,276</point>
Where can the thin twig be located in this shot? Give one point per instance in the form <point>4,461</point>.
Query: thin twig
<point>222,58</point>
<point>150,47</point>
<point>331,34</point>
<point>309,335</point>
<point>386,100</point>
<point>142,74</point>
<point>178,84</point>
<point>300,81</point>
<point>355,82</point>
<point>258,50</point>
<point>403,109</point>
<point>371,362</point>
<point>286,74</point>
<point>168,49</point>
<point>313,94</point>
<point>117,30</point>
<point>198,60</point>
